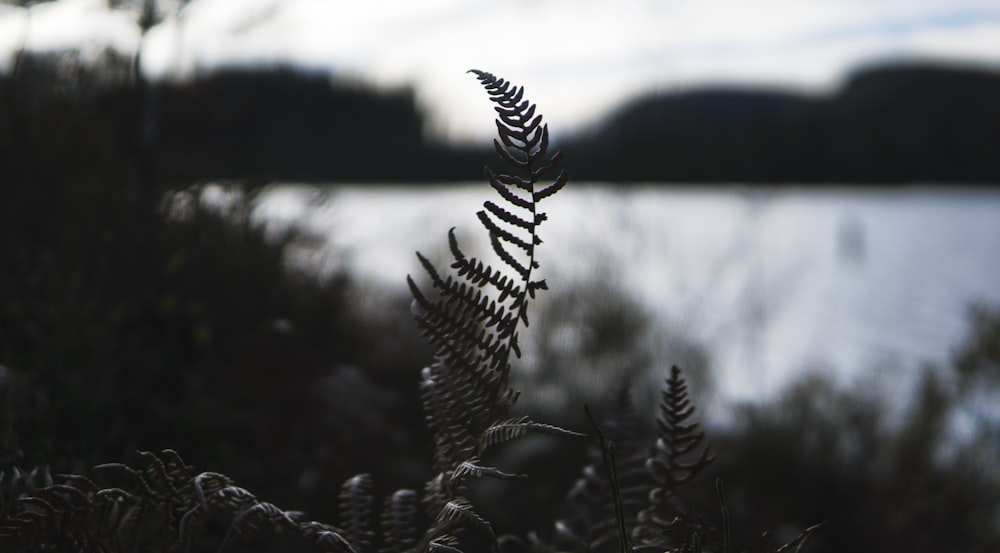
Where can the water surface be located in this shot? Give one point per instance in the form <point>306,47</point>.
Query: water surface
<point>850,281</point>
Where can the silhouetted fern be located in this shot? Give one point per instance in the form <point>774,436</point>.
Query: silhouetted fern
<point>677,457</point>
<point>162,506</point>
<point>631,502</point>
<point>472,318</point>
<point>591,523</point>
<point>401,522</point>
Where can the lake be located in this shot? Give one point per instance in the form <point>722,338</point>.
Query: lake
<point>772,282</point>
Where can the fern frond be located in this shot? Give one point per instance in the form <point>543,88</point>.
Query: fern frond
<point>326,538</point>
<point>459,513</point>
<point>509,429</point>
<point>677,458</point>
<point>254,520</point>
<point>356,511</point>
<point>446,417</point>
<point>161,506</point>
<point>472,469</point>
<point>473,316</point>
<point>230,499</point>
<point>17,482</point>
<point>444,544</point>
<point>436,495</point>
<point>400,522</point>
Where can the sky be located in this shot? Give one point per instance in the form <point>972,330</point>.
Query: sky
<point>577,59</point>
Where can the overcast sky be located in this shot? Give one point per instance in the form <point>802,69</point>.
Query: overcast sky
<point>576,58</point>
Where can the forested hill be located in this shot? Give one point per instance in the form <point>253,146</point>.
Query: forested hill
<point>887,124</point>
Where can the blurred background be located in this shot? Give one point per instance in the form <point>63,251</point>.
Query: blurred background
<point>208,209</point>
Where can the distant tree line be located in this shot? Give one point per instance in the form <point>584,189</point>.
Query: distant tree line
<point>888,124</point>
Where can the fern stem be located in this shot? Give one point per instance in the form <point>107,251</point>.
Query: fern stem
<point>608,454</point>
<point>726,537</point>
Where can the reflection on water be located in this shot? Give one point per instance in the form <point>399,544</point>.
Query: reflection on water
<point>771,282</point>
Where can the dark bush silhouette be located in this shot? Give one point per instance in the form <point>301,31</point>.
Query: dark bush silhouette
<point>125,329</point>
<point>882,481</point>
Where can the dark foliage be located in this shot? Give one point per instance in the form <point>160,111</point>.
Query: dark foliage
<point>142,329</point>
<point>465,395</point>
<point>830,455</point>
<point>134,316</point>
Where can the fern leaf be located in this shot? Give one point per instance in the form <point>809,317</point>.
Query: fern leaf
<point>510,429</point>
<point>552,188</point>
<point>497,242</point>
<point>207,484</point>
<point>471,318</point>
<point>472,469</point>
<point>356,509</point>
<point>672,463</point>
<point>458,513</point>
<point>506,216</point>
<point>252,520</point>
<point>509,157</point>
<point>328,539</point>
<point>505,191</point>
<point>445,544</point>
<point>399,522</point>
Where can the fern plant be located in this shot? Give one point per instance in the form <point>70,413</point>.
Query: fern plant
<point>633,504</point>
<point>472,320</point>
<point>473,317</point>
<point>471,314</point>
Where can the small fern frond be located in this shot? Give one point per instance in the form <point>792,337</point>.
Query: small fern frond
<point>678,456</point>
<point>400,522</point>
<point>356,511</point>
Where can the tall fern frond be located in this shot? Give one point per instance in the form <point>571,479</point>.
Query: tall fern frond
<point>471,316</point>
